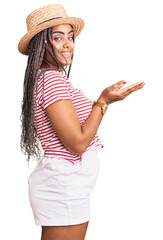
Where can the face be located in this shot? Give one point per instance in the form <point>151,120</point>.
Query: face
<point>63,40</point>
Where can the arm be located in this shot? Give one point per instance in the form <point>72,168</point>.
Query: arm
<point>65,122</point>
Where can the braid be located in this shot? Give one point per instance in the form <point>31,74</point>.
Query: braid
<point>38,45</point>
<point>29,142</point>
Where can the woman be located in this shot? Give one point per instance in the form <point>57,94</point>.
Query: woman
<point>64,121</point>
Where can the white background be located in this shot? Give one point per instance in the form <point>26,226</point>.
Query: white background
<point>121,40</point>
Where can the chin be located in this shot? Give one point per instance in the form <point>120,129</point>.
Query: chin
<point>69,61</point>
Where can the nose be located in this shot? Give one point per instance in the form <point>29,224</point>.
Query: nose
<point>66,43</point>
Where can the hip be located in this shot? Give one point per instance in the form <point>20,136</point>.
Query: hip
<point>59,173</point>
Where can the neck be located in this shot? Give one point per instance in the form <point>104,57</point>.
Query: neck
<point>44,66</point>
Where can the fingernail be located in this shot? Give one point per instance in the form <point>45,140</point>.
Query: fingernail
<point>121,82</point>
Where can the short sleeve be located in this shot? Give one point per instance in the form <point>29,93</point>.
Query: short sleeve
<point>52,87</point>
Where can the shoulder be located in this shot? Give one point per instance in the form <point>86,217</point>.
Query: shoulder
<point>48,78</point>
<point>51,74</point>
<point>51,81</point>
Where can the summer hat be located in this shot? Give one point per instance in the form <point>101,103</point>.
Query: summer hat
<point>45,17</point>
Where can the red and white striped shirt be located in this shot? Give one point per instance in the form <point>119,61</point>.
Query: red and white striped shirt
<point>52,87</point>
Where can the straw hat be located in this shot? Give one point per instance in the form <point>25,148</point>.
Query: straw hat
<point>45,17</point>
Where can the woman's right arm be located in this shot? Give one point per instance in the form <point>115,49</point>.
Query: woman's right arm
<point>65,122</point>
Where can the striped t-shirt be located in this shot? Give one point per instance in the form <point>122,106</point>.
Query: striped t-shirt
<point>52,87</point>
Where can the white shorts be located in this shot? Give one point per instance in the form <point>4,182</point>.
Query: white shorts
<point>59,191</point>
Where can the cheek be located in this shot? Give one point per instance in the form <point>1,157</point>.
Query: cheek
<point>57,45</point>
<point>73,45</point>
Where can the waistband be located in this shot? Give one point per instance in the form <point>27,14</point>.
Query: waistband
<point>94,148</point>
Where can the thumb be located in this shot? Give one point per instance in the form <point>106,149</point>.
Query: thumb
<point>118,85</point>
<point>121,82</point>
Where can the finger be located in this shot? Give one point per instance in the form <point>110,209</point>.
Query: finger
<point>121,82</point>
<point>140,86</point>
<point>132,87</point>
<point>118,85</point>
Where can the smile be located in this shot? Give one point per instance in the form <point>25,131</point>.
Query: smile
<point>66,54</point>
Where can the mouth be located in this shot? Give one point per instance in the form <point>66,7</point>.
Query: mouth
<point>66,54</point>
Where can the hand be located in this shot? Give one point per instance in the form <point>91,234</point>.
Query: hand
<point>115,93</point>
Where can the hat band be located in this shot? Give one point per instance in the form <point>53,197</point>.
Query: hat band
<point>48,20</point>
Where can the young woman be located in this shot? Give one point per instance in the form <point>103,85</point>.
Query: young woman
<point>64,121</point>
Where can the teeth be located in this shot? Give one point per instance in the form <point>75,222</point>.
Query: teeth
<point>66,53</point>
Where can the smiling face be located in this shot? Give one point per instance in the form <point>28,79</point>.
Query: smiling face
<point>63,41</point>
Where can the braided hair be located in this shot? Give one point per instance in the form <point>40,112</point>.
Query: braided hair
<point>38,45</point>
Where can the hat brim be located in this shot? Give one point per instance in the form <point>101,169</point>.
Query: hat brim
<point>77,24</point>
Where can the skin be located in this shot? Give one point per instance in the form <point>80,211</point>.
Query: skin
<point>65,122</point>
<point>63,41</point>
<point>74,232</point>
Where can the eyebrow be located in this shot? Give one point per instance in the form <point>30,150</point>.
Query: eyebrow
<point>62,32</point>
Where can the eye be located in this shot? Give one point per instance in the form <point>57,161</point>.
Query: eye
<point>71,38</point>
<point>57,38</point>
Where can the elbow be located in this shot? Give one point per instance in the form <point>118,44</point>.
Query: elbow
<point>78,148</point>
<point>76,144</point>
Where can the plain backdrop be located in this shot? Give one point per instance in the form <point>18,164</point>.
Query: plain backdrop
<point>121,40</point>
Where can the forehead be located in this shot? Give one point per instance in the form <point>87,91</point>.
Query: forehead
<point>63,28</point>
